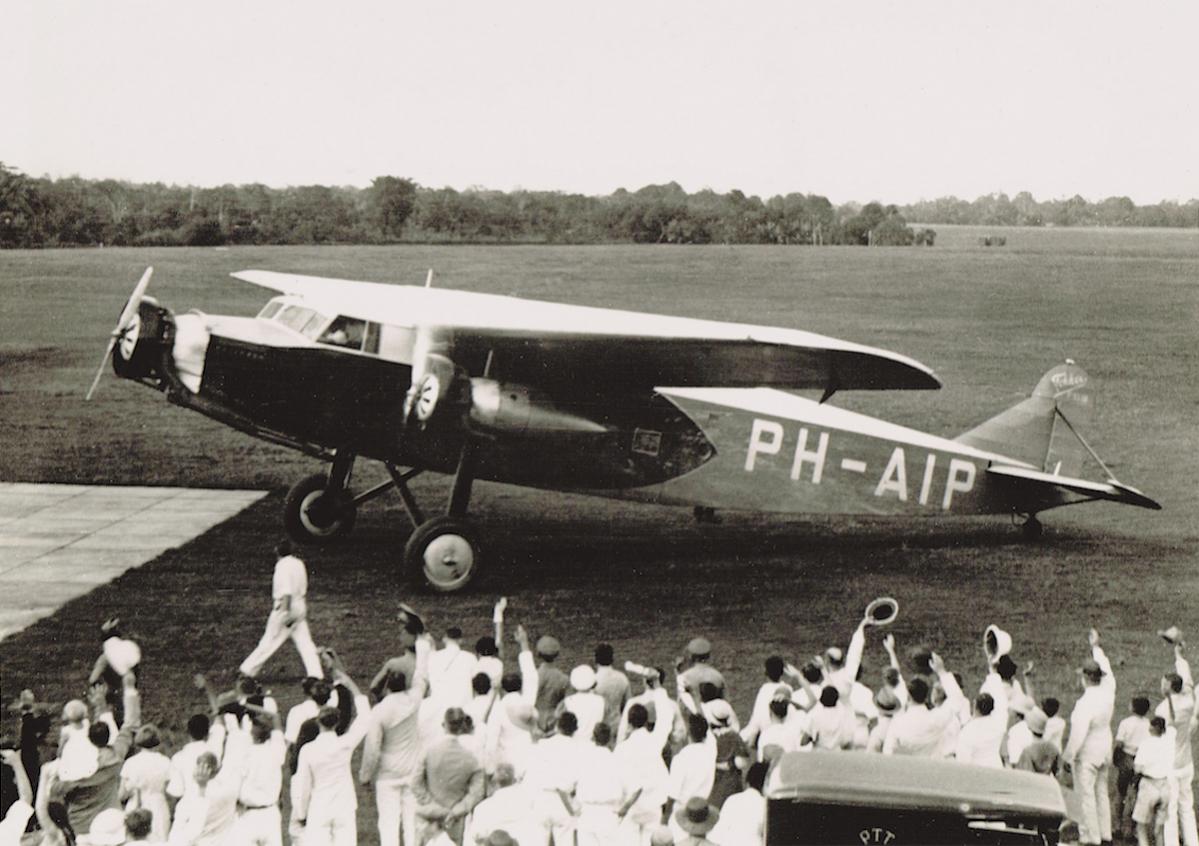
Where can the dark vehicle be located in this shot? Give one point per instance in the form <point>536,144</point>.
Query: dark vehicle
<point>834,798</point>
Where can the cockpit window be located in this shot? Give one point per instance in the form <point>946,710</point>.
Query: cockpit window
<point>270,309</point>
<point>295,317</point>
<point>347,332</point>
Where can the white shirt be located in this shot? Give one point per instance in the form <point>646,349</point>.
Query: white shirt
<point>323,787</point>
<point>450,672</point>
<point>1184,712</point>
<point>1019,737</point>
<point>509,809</point>
<point>555,764</point>
<point>601,781</point>
<point>291,579</point>
<point>639,757</point>
<point>183,763</point>
<point>980,739</point>
<point>262,772</point>
<point>922,731</point>
<point>1155,758</point>
<point>742,820</point>
<point>759,718</point>
<point>206,818</point>
<point>1091,721</point>
<point>692,771</point>
<point>831,728</point>
<point>13,825</point>
<point>1132,732</point>
<point>588,708</point>
<point>394,745</point>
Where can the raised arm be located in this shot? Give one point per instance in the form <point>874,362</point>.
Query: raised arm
<point>528,667</point>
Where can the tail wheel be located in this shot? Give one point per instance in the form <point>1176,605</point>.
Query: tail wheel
<point>314,515</point>
<point>1032,528</point>
<point>444,553</point>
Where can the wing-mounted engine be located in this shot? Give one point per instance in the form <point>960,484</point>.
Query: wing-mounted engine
<point>444,398</point>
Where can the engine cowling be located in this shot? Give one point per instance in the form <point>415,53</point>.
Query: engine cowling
<point>138,353</point>
<point>511,409</point>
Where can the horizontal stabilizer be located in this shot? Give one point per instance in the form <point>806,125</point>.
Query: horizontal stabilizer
<point>1031,487</point>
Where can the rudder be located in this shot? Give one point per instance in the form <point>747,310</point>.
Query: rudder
<point>1038,430</point>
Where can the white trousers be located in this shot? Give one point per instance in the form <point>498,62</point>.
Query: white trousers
<point>258,827</point>
<point>1090,782</point>
<point>338,830</point>
<point>277,632</point>
<point>1180,813</point>
<point>397,812</point>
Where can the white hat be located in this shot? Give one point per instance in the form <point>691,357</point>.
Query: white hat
<point>996,642</point>
<point>108,828</point>
<point>122,655</point>
<point>582,678</point>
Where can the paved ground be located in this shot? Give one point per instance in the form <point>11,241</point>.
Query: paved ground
<point>58,542</point>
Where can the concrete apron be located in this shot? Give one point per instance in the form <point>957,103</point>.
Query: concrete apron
<point>58,542</point>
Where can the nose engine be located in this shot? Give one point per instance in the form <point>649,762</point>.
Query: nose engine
<point>140,348</point>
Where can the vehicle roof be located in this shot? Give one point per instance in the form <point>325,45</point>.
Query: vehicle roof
<point>892,781</point>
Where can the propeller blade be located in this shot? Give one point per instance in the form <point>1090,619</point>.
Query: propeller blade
<point>123,323</point>
<point>112,342</point>
<point>135,301</point>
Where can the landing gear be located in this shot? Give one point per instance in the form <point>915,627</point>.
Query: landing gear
<point>313,513</point>
<point>1032,528</point>
<point>443,552</point>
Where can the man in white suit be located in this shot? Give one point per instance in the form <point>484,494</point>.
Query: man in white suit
<point>323,796</point>
<point>288,618</point>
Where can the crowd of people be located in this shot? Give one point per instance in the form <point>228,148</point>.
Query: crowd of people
<point>460,746</point>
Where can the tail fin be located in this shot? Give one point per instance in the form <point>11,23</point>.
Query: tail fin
<point>1041,429</point>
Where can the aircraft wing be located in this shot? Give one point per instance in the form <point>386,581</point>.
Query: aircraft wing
<point>548,344</point>
<point>1034,485</point>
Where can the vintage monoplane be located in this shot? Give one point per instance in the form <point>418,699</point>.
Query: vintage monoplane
<point>615,403</point>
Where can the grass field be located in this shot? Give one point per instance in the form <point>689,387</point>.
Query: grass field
<point>990,321</point>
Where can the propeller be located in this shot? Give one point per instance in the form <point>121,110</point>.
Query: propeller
<point>124,325</point>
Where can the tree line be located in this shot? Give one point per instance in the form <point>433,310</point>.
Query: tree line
<point>43,212</point>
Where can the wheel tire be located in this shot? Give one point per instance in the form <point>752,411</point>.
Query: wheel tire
<point>1032,529</point>
<point>300,523</point>
<point>443,553</point>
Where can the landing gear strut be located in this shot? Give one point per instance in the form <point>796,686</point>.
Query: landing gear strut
<point>443,551</point>
<point>318,509</point>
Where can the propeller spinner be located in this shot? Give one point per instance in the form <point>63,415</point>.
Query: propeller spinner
<point>126,329</point>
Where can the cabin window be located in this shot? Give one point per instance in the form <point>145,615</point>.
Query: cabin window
<point>348,332</point>
<point>270,309</point>
<point>296,317</point>
<point>371,344</point>
<point>396,342</point>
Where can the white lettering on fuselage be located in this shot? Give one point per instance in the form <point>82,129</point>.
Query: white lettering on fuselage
<point>816,457</point>
<point>961,478</point>
<point>767,437</point>
<point>758,443</point>
<point>895,477</point>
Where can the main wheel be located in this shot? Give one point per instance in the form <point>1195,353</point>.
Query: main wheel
<point>444,552</point>
<point>311,516</point>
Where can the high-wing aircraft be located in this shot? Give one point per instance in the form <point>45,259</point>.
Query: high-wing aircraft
<point>614,403</point>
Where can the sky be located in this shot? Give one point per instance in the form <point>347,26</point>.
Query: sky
<point>856,101</point>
